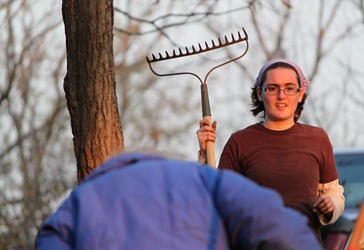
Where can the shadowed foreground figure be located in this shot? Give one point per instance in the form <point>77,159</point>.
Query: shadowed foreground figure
<point>142,201</point>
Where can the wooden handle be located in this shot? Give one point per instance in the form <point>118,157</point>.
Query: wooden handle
<point>210,149</point>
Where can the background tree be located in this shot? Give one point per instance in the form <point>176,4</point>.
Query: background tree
<point>90,82</point>
<point>35,146</point>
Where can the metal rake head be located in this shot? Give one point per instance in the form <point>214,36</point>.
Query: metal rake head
<point>194,51</point>
<point>200,49</point>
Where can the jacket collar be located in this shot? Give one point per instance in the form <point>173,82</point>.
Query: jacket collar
<point>120,161</point>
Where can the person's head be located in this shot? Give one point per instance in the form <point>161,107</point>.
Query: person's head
<point>280,90</point>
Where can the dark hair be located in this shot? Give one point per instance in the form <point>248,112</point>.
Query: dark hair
<point>258,105</point>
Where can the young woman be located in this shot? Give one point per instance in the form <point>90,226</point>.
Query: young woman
<point>295,159</point>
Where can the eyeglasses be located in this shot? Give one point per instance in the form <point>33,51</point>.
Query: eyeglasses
<point>274,90</point>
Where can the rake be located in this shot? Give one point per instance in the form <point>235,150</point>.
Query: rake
<point>205,103</point>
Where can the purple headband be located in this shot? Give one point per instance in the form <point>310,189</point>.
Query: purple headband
<point>304,82</point>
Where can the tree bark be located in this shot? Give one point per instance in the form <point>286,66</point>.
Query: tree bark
<point>89,84</point>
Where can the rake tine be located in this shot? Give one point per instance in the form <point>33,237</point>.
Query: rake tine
<point>206,46</point>
<point>240,35</point>
<point>213,44</point>
<point>220,43</point>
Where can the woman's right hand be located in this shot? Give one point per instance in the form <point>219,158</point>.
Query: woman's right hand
<point>206,132</point>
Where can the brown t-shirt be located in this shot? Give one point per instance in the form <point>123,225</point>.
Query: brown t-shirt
<point>292,162</point>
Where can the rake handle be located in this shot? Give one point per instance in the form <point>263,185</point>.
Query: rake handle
<point>206,114</point>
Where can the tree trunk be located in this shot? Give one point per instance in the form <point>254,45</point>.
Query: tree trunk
<point>90,82</point>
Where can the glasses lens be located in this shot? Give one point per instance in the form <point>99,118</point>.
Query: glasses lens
<point>272,90</point>
<point>292,91</point>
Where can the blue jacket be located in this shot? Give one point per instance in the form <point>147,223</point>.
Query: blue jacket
<point>138,201</point>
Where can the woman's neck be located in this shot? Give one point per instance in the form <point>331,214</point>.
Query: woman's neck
<point>273,125</point>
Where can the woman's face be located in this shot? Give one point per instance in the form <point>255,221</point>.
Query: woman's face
<point>280,108</point>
